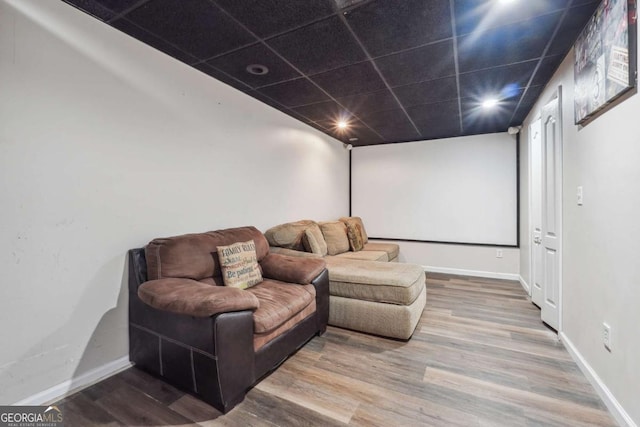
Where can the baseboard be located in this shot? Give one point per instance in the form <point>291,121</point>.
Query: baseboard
<point>525,285</point>
<point>73,385</point>
<point>474,273</point>
<point>603,391</point>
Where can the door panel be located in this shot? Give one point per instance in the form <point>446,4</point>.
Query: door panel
<point>551,211</point>
<point>537,271</point>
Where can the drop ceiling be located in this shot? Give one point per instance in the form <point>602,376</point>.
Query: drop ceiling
<point>394,70</point>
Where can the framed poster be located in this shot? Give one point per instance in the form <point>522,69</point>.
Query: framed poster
<point>605,58</point>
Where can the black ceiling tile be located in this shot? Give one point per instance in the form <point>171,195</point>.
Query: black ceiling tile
<point>350,80</point>
<point>582,2</point>
<point>472,15</point>
<point>295,93</point>
<point>323,111</point>
<point>427,92</point>
<point>153,41</point>
<point>476,119</point>
<point>118,6</point>
<point>437,120</point>
<point>319,47</point>
<point>416,65</point>
<point>93,7</point>
<point>268,17</point>
<point>393,125</point>
<point>575,20</point>
<point>369,102</point>
<point>507,44</point>
<point>235,64</point>
<point>390,26</point>
<point>196,26</point>
<point>224,78</point>
<point>500,82</point>
<point>548,66</point>
<point>526,104</point>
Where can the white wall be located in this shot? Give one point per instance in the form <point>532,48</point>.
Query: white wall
<point>601,272</point>
<point>468,260</point>
<point>105,144</point>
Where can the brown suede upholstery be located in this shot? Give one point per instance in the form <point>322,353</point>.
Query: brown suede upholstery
<point>194,298</point>
<point>215,341</point>
<point>195,256</point>
<point>279,301</point>
<point>292,269</point>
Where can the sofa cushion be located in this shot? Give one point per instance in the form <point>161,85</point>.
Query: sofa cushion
<point>194,256</point>
<point>239,265</point>
<point>356,220</point>
<point>366,255</point>
<point>259,340</point>
<point>279,301</point>
<point>288,235</point>
<point>384,282</point>
<point>391,249</point>
<point>335,234</point>
<point>313,240</point>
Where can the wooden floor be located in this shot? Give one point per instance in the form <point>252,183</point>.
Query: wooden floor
<point>480,356</point>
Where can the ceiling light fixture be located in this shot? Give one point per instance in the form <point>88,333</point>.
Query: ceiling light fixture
<point>489,103</point>
<point>342,125</point>
<point>257,69</point>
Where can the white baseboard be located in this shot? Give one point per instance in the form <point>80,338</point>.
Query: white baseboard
<point>525,285</point>
<point>73,385</point>
<point>618,412</point>
<point>475,273</point>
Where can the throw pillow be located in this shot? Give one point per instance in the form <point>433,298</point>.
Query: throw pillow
<point>335,234</point>
<point>313,240</point>
<point>239,265</point>
<point>357,220</point>
<point>354,234</point>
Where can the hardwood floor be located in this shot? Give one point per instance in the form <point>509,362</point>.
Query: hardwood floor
<point>480,357</point>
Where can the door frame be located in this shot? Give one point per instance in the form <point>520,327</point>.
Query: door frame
<point>537,117</point>
<point>557,94</point>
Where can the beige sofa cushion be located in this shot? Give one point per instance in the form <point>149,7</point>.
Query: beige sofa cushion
<point>356,221</point>
<point>391,249</point>
<point>335,234</point>
<point>288,235</point>
<point>313,240</point>
<point>384,282</point>
<point>366,255</point>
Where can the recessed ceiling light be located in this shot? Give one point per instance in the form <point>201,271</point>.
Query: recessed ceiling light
<point>342,124</point>
<point>257,69</point>
<point>489,103</point>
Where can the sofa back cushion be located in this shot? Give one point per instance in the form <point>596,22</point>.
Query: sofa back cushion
<point>335,234</point>
<point>288,235</point>
<point>195,256</point>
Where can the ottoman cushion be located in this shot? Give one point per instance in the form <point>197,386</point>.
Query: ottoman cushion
<point>383,282</point>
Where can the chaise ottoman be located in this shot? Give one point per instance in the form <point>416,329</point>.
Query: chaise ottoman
<point>379,298</point>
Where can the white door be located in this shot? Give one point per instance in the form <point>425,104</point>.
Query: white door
<point>551,210</point>
<point>537,268</point>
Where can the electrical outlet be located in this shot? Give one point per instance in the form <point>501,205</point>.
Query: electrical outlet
<point>606,336</point>
<point>499,253</point>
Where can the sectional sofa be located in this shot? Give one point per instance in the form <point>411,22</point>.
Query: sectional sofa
<point>369,290</point>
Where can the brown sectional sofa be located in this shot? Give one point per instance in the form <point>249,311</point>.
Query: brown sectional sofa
<point>212,340</point>
<point>369,290</point>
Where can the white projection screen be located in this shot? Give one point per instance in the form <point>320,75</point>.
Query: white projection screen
<point>455,190</point>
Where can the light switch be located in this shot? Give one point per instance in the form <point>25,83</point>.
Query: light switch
<point>579,196</point>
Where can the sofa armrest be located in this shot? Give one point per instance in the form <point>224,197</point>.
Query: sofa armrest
<point>292,269</point>
<point>292,252</point>
<point>193,298</point>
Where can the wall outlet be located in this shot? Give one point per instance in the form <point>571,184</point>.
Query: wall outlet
<point>499,253</point>
<point>606,336</point>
